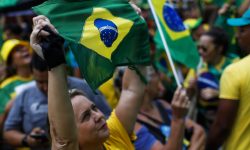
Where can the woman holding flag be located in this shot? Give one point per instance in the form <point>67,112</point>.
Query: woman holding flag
<point>79,124</point>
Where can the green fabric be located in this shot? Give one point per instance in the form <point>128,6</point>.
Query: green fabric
<point>7,3</point>
<point>7,91</point>
<point>217,73</point>
<point>183,50</point>
<point>238,3</point>
<point>142,4</point>
<point>75,22</point>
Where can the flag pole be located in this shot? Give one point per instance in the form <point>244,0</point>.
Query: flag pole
<point>165,44</point>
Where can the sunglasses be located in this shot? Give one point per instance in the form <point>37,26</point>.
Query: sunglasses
<point>204,49</point>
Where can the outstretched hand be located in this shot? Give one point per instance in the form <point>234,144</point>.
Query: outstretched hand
<point>47,43</point>
<point>39,23</point>
<point>180,104</point>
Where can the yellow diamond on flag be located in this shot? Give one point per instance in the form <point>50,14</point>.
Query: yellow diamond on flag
<point>103,32</point>
<point>170,20</point>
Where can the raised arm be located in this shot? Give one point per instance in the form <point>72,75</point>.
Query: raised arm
<point>223,123</point>
<point>180,105</point>
<point>60,110</point>
<point>130,100</point>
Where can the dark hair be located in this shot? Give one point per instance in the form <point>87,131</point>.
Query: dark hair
<point>13,28</point>
<point>220,37</point>
<point>10,70</point>
<point>38,63</point>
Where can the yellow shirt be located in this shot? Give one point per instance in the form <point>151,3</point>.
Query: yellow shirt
<point>119,138</point>
<point>235,85</point>
<point>108,90</point>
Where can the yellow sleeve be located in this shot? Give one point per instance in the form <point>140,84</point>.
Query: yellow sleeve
<point>230,84</point>
<point>119,137</point>
<point>191,74</point>
<point>108,90</point>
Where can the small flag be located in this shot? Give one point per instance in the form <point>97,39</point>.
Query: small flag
<point>179,41</point>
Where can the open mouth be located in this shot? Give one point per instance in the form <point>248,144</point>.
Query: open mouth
<point>104,126</point>
<point>26,55</point>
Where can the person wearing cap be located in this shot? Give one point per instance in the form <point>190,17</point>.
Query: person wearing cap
<point>231,128</point>
<point>16,55</point>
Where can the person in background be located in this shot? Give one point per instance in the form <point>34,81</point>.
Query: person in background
<point>12,31</point>
<point>16,55</point>
<point>231,127</point>
<point>212,48</point>
<point>26,124</point>
<point>196,27</point>
<point>7,31</point>
<point>160,125</point>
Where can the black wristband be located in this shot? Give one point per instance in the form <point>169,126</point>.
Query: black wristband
<point>25,141</point>
<point>52,47</point>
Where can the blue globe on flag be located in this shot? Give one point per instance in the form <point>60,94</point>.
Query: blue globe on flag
<point>172,19</point>
<point>108,31</point>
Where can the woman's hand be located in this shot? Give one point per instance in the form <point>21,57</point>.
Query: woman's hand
<point>39,23</point>
<point>180,104</point>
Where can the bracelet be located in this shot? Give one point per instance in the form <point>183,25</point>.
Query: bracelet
<point>25,141</point>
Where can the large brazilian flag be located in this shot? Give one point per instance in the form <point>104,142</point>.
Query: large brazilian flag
<point>102,34</point>
<point>180,43</point>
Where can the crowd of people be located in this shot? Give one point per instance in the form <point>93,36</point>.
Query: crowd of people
<point>45,103</point>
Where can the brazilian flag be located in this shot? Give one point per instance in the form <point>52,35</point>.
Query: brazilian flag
<point>180,43</point>
<point>102,34</point>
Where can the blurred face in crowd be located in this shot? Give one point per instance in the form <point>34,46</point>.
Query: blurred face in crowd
<point>196,34</point>
<point>243,38</point>
<point>20,56</point>
<point>9,35</point>
<point>208,50</point>
<point>41,78</point>
<point>90,121</point>
<point>154,87</point>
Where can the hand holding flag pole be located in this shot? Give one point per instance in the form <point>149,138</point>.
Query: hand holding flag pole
<point>165,44</point>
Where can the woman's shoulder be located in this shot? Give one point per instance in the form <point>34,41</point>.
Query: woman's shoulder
<point>8,81</point>
<point>13,79</point>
